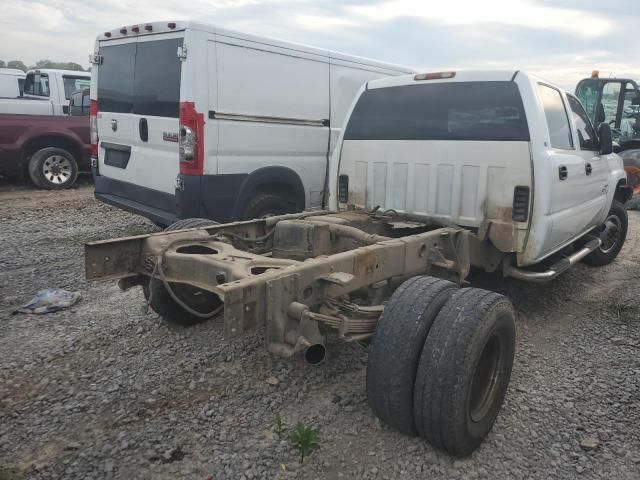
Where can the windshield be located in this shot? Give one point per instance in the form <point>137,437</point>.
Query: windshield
<point>71,84</point>
<point>587,93</point>
<point>440,111</point>
<point>141,78</point>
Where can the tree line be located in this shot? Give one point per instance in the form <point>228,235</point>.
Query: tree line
<point>17,64</point>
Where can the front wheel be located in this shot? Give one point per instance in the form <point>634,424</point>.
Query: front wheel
<point>612,233</point>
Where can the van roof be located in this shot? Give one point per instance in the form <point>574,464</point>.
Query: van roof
<point>153,28</point>
<point>12,71</point>
<point>75,73</point>
<point>458,76</point>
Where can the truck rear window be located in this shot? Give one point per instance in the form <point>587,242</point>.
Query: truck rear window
<point>141,78</point>
<point>483,111</point>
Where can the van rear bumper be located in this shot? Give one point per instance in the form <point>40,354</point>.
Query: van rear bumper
<point>157,206</point>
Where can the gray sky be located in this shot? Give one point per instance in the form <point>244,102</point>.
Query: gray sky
<point>562,40</point>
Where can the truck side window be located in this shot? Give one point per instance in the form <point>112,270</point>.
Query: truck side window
<point>586,134</point>
<point>37,84</point>
<point>557,118</point>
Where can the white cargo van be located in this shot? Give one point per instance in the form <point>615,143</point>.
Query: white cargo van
<point>191,120</point>
<point>11,82</point>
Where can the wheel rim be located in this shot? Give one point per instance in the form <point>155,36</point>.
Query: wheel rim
<point>610,234</point>
<point>485,380</point>
<point>57,169</point>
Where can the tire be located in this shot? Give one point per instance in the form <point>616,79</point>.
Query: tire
<point>464,370</point>
<point>613,233</point>
<point>53,168</point>
<point>268,205</point>
<point>395,350</point>
<point>200,300</point>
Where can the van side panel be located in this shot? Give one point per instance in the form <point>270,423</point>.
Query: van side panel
<point>271,104</point>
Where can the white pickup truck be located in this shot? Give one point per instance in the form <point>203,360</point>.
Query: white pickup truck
<point>46,92</point>
<point>433,174</point>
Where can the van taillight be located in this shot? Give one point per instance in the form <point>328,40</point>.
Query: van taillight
<point>190,140</point>
<point>93,127</point>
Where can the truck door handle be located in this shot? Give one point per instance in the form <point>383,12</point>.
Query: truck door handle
<point>588,169</point>
<point>563,172</point>
<point>144,129</point>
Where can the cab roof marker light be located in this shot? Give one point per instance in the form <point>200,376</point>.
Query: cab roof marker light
<point>171,25</point>
<point>107,34</point>
<point>123,31</point>
<point>434,76</point>
<point>135,29</point>
<point>148,28</point>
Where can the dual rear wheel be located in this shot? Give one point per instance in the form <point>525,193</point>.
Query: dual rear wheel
<point>440,362</point>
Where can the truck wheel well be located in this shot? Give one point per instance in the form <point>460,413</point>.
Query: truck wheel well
<point>50,141</point>
<point>623,192</point>
<point>281,189</point>
<point>275,180</point>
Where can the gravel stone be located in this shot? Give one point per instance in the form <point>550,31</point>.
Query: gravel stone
<point>107,390</point>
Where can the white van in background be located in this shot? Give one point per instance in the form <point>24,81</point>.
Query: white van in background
<point>190,120</point>
<point>11,82</point>
<point>46,92</point>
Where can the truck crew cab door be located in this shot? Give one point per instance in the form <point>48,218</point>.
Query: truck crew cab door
<point>596,167</point>
<point>575,207</point>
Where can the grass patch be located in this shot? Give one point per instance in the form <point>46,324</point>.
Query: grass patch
<point>623,311</point>
<point>304,439</point>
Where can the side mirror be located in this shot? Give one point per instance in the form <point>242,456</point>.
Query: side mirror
<point>606,140</point>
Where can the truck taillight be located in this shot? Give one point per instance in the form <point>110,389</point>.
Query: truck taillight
<point>93,127</point>
<point>190,140</point>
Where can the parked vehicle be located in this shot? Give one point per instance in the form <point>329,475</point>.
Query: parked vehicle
<point>194,120</point>
<point>433,173</point>
<point>616,101</point>
<point>11,82</point>
<point>46,92</point>
<point>48,149</point>
<point>79,103</point>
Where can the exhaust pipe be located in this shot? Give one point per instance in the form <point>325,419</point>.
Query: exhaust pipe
<point>315,354</point>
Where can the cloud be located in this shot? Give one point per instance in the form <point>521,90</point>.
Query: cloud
<point>506,12</point>
<point>562,40</point>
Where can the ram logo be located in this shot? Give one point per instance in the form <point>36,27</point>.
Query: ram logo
<point>170,137</point>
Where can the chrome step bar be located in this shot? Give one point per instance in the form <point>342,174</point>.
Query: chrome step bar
<point>556,269</point>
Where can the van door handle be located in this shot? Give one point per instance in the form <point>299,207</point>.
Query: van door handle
<point>588,169</point>
<point>563,173</point>
<point>144,129</point>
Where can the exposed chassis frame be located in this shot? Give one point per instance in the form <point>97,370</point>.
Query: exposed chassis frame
<point>289,296</point>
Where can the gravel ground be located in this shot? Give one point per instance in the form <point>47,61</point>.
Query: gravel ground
<point>106,390</point>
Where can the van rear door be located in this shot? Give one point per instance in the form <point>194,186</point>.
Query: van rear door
<point>138,109</point>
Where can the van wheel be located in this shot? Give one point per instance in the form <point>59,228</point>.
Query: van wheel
<point>53,168</point>
<point>464,370</point>
<point>612,233</point>
<point>202,301</point>
<point>268,205</point>
<point>395,350</point>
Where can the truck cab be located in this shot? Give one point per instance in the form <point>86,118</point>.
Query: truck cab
<point>46,92</point>
<point>504,153</point>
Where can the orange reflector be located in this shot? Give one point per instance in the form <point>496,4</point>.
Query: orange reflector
<point>434,75</point>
